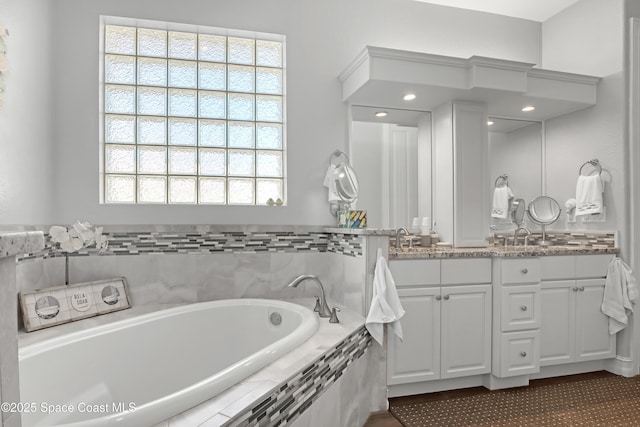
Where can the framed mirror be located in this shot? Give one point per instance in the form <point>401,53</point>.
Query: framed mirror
<point>392,155</point>
<point>515,150</point>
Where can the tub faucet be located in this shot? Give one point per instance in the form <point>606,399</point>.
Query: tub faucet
<point>398,231</point>
<point>323,309</point>
<point>517,232</point>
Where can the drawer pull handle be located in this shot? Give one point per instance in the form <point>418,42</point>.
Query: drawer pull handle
<point>438,298</point>
<point>523,308</point>
<point>446,297</point>
<point>575,289</point>
<point>581,288</point>
<point>524,271</point>
<point>523,354</point>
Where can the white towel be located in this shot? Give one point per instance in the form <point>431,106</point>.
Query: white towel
<point>589,191</point>
<point>501,196</point>
<point>620,295</point>
<point>385,304</point>
<point>330,183</point>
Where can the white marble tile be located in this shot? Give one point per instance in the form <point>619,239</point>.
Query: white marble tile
<point>9,379</point>
<point>201,413</point>
<point>258,389</point>
<point>214,275</point>
<point>12,420</point>
<point>215,421</point>
<point>18,243</point>
<point>252,276</point>
<point>39,273</point>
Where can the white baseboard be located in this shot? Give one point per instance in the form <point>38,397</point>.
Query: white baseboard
<point>621,366</point>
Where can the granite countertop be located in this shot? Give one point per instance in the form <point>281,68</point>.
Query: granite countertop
<point>361,231</point>
<point>495,251</point>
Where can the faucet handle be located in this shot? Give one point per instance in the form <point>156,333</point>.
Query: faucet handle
<point>317,307</point>
<point>334,315</point>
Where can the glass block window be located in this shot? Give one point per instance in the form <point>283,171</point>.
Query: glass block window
<point>192,118</point>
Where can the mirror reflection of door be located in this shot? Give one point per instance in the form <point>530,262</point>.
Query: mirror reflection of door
<point>392,157</point>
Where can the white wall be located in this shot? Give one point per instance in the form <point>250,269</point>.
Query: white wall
<point>26,149</point>
<point>322,39</point>
<point>588,38</point>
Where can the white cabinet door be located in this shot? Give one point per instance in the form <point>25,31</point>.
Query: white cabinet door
<point>592,327</point>
<point>557,329</point>
<point>466,330</point>
<point>417,357</point>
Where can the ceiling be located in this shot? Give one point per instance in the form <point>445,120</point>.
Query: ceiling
<point>533,10</point>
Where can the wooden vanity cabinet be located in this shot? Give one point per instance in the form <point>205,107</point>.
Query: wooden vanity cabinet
<point>447,325</point>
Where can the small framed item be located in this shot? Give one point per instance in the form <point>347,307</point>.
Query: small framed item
<point>47,307</point>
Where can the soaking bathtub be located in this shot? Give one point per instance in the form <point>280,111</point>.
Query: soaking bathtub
<point>142,370</point>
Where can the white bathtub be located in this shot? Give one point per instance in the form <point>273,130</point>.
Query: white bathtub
<point>140,371</point>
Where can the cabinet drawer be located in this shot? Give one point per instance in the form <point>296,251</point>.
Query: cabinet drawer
<point>466,271</point>
<point>520,353</point>
<point>521,270</point>
<point>520,308</point>
<point>415,272</point>
<point>558,267</point>
<point>592,265</point>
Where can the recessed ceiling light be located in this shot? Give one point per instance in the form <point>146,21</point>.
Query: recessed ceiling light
<point>409,97</point>
<point>528,108</point>
<point>489,122</point>
<point>381,114</point>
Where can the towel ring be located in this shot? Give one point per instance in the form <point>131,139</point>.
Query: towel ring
<point>593,162</point>
<point>505,180</point>
<point>337,154</point>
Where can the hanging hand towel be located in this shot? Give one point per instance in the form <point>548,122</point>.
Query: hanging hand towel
<point>589,191</point>
<point>385,304</point>
<point>620,295</point>
<point>330,183</point>
<point>501,196</point>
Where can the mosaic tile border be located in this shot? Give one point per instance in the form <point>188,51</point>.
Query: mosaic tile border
<point>346,244</point>
<point>287,402</point>
<point>581,239</point>
<point>140,243</point>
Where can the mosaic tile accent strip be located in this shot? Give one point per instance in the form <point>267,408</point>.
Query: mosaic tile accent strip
<point>287,402</point>
<point>581,239</point>
<point>139,243</point>
<point>346,244</point>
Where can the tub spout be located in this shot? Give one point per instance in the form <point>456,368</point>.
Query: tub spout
<point>323,309</point>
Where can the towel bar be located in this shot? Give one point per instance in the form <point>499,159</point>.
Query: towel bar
<point>504,178</point>
<point>593,162</point>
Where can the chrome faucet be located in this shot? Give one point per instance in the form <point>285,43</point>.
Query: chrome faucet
<point>323,308</point>
<point>517,232</point>
<point>398,231</point>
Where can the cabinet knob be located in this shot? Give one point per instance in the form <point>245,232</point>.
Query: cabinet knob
<point>581,288</point>
<point>523,308</point>
<point>446,297</point>
<point>524,271</point>
<point>575,289</point>
<point>523,354</point>
<point>438,297</point>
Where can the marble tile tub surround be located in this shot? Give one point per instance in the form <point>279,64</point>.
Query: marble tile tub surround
<point>285,389</point>
<point>11,244</point>
<point>186,264</point>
